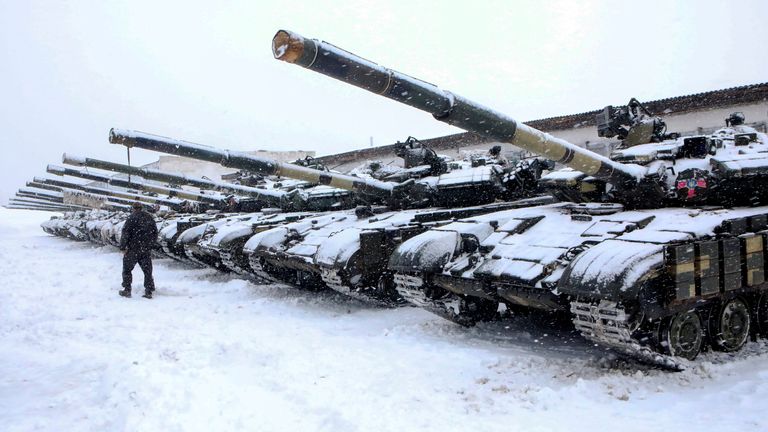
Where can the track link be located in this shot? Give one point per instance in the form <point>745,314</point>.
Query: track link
<point>411,288</point>
<point>331,278</point>
<point>608,324</point>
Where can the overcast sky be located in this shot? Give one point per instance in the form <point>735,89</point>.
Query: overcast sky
<point>204,72</point>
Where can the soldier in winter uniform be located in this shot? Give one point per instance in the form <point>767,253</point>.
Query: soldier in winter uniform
<point>138,237</point>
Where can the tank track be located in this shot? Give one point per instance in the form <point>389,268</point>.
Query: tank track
<point>333,280</point>
<point>608,324</point>
<point>167,249</point>
<point>411,289</point>
<point>228,261</point>
<point>169,252</point>
<point>259,271</point>
<point>191,257</point>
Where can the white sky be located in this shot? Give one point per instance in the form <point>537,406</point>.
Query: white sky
<point>204,72</point>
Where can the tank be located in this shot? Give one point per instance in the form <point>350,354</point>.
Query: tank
<point>104,228</point>
<point>306,252</point>
<point>100,214</point>
<point>194,246</point>
<point>87,221</point>
<point>660,264</point>
<point>68,225</point>
<point>52,198</point>
<point>219,243</point>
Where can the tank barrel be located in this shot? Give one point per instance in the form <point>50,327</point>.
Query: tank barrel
<point>38,201</point>
<point>43,186</point>
<point>445,106</point>
<point>178,193</point>
<point>114,195</point>
<point>19,205</point>
<point>47,204</point>
<point>31,201</point>
<point>43,203</point>
<point>247,162</point>
<point>39,193</point>
<point>32,206</point>
<point>40,196</point>
<point>57,200</point>
<point>272,197</point>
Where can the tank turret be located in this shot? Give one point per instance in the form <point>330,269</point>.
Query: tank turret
<point>632,123</point>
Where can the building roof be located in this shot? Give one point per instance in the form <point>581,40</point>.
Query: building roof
<point>674,105</point>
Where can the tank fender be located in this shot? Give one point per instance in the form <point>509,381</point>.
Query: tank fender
<point>338,249</point>
<point>429,252</point>
<point>266,239</point>
<point>613,270</point>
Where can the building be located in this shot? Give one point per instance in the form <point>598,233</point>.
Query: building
<point>215,171</point>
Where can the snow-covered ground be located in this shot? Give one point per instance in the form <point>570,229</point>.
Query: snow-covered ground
<point>214,353</point>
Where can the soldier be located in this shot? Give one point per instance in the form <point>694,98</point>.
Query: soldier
<point>138,237</point>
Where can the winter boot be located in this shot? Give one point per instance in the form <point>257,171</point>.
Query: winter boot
<point>147,294</point>
<point>125,292</point>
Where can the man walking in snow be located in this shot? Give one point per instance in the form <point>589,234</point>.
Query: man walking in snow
<point>138,237</point>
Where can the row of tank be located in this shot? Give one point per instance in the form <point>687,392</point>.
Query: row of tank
<point>658,251</point>
<point>305,246</point>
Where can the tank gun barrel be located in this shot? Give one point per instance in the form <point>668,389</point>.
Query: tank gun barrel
<point>43,203</point>
<point>43,186</point>
<point>247,162</point>
<point>32,201</point>
<point>18,205</point>
<point>37,201</point>
<point>445,106</point>
<point>51,198</point>
<point>114,195</point>
<point>42,197</point>
<point>26,206</point>
<point>178,193</point>
<point>272,197</point>
<point>39,193</point>
<point>47,204</point>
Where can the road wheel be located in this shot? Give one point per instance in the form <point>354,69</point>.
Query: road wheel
<point>684,335</point>
<point>385,288</point>
<point>729,326</point>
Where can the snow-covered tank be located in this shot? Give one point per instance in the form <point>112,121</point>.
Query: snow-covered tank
<point>660,264</point>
